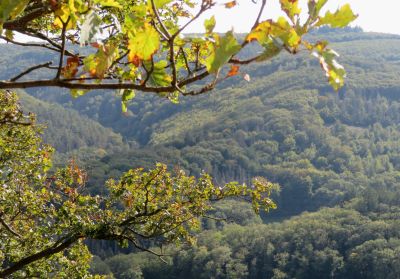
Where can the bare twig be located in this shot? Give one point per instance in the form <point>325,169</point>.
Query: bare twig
<point>163,27</point>
<point>27,44</point>
<point>205,5</point>
<point>64,29</point>
<point>148,72</point>
<point>27,71</point>
<point>8,228</point>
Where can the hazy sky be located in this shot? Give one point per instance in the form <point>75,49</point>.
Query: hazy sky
<point>374,15</point>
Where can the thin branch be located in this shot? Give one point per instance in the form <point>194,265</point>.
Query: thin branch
<point>190,80</point>
<point>164,29</point>
<point>64,29</point>
<point>216,218</point>
<point>34,33</point>
<point>186,61</point>
<point>27,44</point>
<point>9,121</point>
<point>205,5</point>
<point>146,250</point>
<point>148,72</point>
<point>117,61</point>
<point>27,71</point>
<point>264,2</point>
<point>257,21</point>
<point>9,228</point>
<point>203,90</point>
<point>158,30</point>
<point>129,220</point>
<point>244,62</point>
<point>172,62</point>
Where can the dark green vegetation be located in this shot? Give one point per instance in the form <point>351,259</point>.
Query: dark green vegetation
<point>325,150</point>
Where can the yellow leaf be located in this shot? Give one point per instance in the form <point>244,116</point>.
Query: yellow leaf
<point>143,43</point>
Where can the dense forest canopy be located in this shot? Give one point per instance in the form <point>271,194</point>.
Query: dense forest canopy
<point>325,150</point>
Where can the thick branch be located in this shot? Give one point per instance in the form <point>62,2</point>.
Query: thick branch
<point>97,86</point>
<point>84,86</point>
<point>24,20</point>
<point>38,256</point>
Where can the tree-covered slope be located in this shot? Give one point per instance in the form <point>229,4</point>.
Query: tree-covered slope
<point>66,130</point>
<point>285,124</point>
<point>325,149</point>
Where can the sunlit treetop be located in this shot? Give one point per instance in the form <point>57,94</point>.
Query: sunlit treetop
<point>139,44</point>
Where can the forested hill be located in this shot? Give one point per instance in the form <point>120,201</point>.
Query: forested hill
<point>66,130</point>
<point>286,124</point>
<point>325,149</point>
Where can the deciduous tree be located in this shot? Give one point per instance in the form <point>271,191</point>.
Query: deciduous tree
<point>139,44</point>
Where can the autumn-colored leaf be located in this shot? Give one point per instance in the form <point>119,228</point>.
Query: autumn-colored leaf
<point>333,70</point>
<point>233,71</point>
<point>95,45</point>
<point>222,51</point>
<point>98,64</point>
<point>71,68</point>
<point>143,43</point>
<point>230,4</point>
<point>279,31</point>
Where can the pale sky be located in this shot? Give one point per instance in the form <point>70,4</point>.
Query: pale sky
<point>374,15</point>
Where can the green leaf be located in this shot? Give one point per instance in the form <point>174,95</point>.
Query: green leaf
<point>143,43</point>
<point>174,97</point>
<point>90,27</point>
<point>333,70</point>
<point>320,4</point>
<point>284,31</point>
<point>98,64</point>
<point>270,50</point>
<point>11,9</point>
<point>341,18</point>
<point>109,3</point>
<point>75,93</point>
<point>209,24</point>
<point>222,51</point>
<point>279,31</point>
<point>314,7</point>
<point>127,95</point>
<point>159,76</point>
<point>291,8</point>
<point>161,3</point>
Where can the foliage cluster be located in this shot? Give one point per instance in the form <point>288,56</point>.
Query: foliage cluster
<point>45,217</point>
